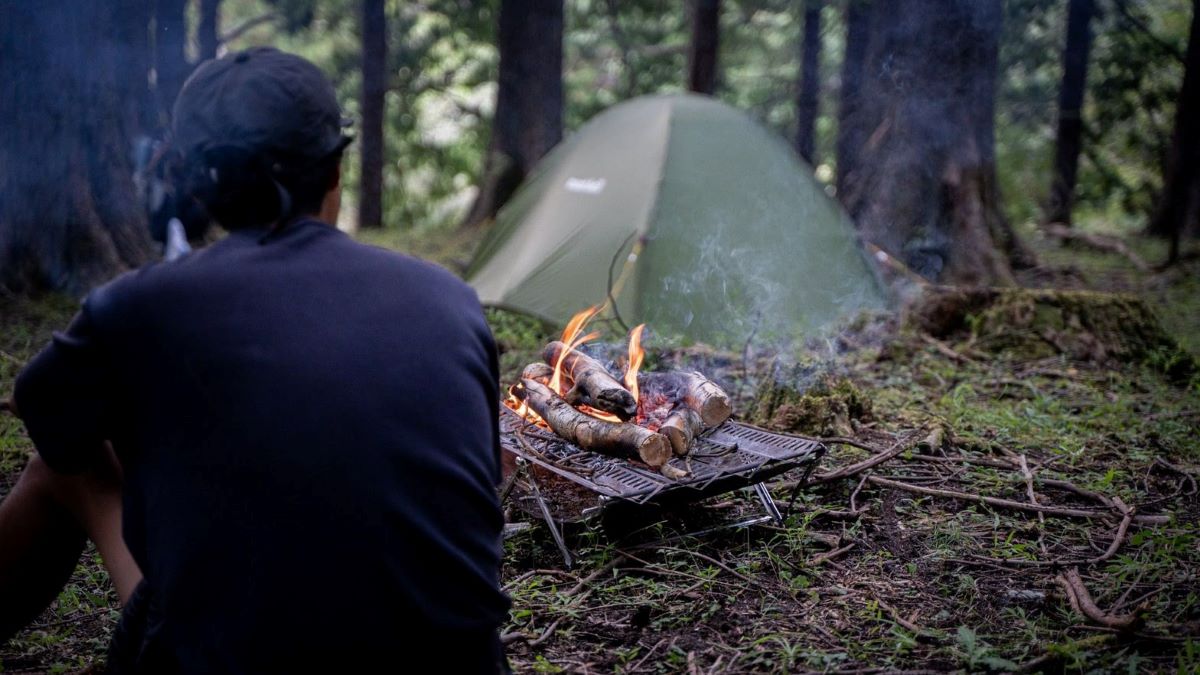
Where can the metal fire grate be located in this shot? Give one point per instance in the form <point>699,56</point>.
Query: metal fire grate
<point>565,483</point>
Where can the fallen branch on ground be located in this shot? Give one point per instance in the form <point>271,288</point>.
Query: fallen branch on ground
<point>898,448</point>
<point>1113,547</point>
<point>1010,504</point>
<point>1099,242</point>
<point>1082,602</point>
<point>600,571</point>
<point>946,350</point>
<point>906,623</point>
<point>828,556</point>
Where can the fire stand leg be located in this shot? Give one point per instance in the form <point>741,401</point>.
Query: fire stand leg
<point>554,531</point>
<point>764,495</point>
<point>800,484</point>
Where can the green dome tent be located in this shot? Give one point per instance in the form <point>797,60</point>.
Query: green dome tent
<point>703,223</point>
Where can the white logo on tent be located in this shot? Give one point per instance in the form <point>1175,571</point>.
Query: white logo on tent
<point>587,186</point>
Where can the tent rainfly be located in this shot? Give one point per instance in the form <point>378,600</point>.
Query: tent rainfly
<point>691,215</point>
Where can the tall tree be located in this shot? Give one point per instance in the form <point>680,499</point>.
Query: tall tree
<point>374,90</point>
<point>170,56</point>
<point>850,137</point>
<point>1068,142</point>
<point>208,36</point>
<point>529,100</point>
<point>1179,207</point>
<point>924,184</point>
<point>702,51</point>
<point>69,218</point>
<point>133,63</point>
<point>808,100</point>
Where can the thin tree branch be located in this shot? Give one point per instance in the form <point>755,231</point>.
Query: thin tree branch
<point>247,26</point>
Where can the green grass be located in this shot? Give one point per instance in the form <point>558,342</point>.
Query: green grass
<point>74,632</point>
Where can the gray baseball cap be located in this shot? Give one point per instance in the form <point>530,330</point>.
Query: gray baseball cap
<point>261,101</point>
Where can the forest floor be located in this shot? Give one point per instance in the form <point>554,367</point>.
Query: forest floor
<point>895,566</point>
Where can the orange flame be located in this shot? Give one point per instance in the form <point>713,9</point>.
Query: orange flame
<point>636,356</point>
<point>598,414</point>
<point>521,407</point>
<point>572,339</point>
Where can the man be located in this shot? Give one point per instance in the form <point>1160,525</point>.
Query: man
<point>301,429</point>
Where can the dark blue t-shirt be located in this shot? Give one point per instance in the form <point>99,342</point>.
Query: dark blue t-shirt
<point>308,432</point>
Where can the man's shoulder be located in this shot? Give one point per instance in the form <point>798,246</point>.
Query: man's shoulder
<point>112,297</point>
<point>416,269</point>
<point>151,285</point>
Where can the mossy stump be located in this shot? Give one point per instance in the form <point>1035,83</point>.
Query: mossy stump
<point>1032,324</point>
<point>827,408</point>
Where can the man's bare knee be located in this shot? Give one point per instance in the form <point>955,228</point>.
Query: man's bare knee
<point>81,495</point>
<point>38,478</point>
<point>92,500</point>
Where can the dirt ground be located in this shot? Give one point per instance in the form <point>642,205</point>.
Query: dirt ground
<point>1009,488</point>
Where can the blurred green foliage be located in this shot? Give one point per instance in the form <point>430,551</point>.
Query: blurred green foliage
<point>444,62</point>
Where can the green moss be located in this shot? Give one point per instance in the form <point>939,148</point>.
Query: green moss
<point>1024,324</point>
<point>827,408</point>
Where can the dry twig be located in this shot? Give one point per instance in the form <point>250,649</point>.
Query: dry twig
<point>897,449</point>
<point>828,556</point>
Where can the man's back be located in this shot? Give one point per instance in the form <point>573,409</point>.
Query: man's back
<point>308,432</point>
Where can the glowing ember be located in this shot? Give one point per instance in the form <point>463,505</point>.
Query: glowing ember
<point>598,414</point>
<point>521,407</point>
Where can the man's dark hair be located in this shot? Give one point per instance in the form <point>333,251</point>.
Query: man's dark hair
<point>259,137</point>
<point>242,189</point>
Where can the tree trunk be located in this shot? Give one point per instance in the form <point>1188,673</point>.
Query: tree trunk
<point>1070,111</point>
<point>528,121</point>
<point>807,101</point>
<point>208,33</point>
<point>850,138</point>
<point>702,52</point>
<point>923,187</point>
<point>374,88</point>
<point>133,63</point>
<point>170,58</point>
<point>1179,208</point>
<point>69,219</point>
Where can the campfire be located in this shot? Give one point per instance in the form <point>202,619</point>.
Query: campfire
<point>650,416</point>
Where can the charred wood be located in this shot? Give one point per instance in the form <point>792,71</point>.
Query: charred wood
<point>692,390</point>
<point>594,386</point>
<point>537,371</point>
<point>593,434</point>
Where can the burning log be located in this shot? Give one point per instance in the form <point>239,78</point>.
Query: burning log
<point>594,434</point>
<point>594,386</point>
<point>537,371</point>
<point>693,390</point>
<point>681,427</point>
